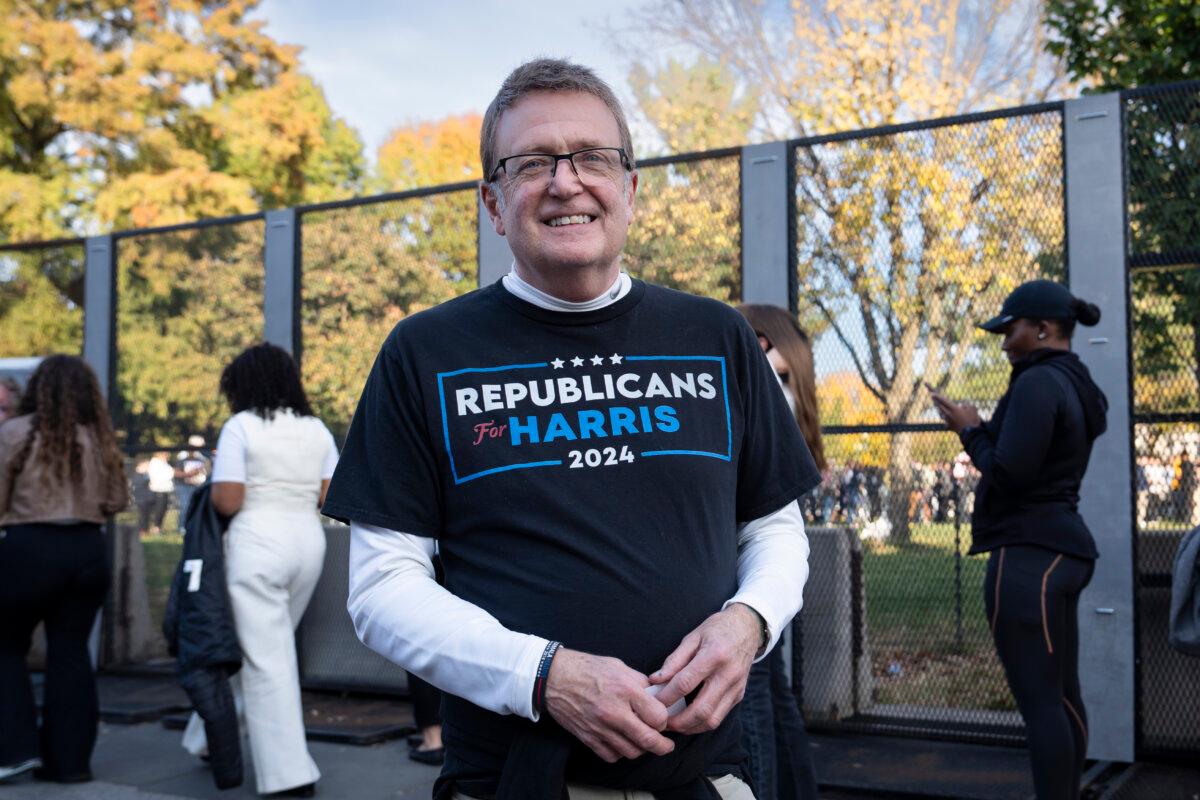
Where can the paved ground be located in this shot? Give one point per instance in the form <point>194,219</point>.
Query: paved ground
<point>145,762</point>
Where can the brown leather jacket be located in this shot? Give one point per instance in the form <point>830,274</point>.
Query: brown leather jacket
<point>26,498</point>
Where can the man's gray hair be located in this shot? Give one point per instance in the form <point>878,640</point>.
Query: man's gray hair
<point>546,75</point>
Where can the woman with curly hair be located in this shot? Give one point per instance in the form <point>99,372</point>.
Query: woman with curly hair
<point>61,476</point>
<point>272,466</point>
<point>772,727</point>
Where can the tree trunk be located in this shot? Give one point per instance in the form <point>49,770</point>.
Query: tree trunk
<point>899,481</point>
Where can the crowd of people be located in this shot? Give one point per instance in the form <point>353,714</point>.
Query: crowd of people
<point>857,494</point>
<point>577,509</point>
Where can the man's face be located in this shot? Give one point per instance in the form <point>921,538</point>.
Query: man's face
<point>560,122</point>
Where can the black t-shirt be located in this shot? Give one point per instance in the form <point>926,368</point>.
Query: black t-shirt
<point>584,472</point>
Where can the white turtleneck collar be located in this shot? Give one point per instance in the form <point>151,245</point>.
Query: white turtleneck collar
<point>518,287</point>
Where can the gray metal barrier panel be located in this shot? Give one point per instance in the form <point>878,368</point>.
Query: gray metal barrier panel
<point>330,653</point>
<point>836,662</point>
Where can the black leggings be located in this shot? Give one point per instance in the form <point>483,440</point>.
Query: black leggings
<point>1032,599</point>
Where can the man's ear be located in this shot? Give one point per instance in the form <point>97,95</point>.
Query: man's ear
<point>492,203</point>
<point>631,193</point>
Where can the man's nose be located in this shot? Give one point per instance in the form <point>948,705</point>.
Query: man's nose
<point>564,179</point>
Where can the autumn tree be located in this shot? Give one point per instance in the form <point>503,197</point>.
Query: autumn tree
<point>41,301</point>
<point>119,115</point>
<point>686,231</point>
<point>903,240</point>
<point>189,301</point>
<point>154,112</point>
<point>367,267</point>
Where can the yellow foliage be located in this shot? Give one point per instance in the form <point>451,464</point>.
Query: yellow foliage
<point>694,107</point>
<point>430,153</point>
<point>107,103</point>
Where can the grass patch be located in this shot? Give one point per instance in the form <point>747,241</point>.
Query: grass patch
<point>921,653</point>
<point>162,553</point>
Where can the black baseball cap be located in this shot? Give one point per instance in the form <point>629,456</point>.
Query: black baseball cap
<point>1039,299</point>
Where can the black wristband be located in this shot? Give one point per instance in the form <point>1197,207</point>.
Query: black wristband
<point>543,671</point>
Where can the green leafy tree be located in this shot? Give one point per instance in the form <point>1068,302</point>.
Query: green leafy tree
<point>1122,45</point>
<point>1126,43</point>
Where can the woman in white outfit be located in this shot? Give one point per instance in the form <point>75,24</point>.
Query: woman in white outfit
<point>273,463</point>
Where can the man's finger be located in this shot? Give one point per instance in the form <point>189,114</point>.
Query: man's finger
<point>602,750</point>
<point>686,680</point>
<point>623,745</point>
<point>632,737</point>
<point>647,740</point>
<point>678,659</point>
<point>650,710</point>
<point>709,709</point>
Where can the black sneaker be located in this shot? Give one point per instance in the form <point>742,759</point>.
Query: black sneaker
<point>433,756</point>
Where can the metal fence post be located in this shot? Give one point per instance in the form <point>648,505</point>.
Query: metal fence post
<point>495,258</point>
<point>99,308</point>
<point>99,323</point>
<point>281,289</point>
<point>1097,270</point>
<point>765,261</point>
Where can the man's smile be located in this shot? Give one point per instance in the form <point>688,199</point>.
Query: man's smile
<point>576,219</point>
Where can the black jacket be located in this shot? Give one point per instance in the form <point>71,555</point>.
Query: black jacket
<point>199,622</point>
<point>200,634</point>
<point>1032,455</point>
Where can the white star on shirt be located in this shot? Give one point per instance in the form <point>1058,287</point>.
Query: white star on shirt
<point>597,360</point>
<point>577,361</point>
<point>558,363</point>
<point>614,358</point>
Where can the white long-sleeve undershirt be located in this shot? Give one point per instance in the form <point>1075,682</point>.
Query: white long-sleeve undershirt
<point>401,612</point>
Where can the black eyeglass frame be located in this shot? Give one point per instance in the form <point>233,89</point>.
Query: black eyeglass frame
<point>557,157</point>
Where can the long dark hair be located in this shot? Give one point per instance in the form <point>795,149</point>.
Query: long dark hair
<point>62,394</point>
<point>264,379</point>
<point>785,334</point>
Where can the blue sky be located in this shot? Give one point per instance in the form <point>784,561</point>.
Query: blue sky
<point>383,64</point>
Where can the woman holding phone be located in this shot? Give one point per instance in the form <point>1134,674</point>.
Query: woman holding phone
<point>1032,455</point>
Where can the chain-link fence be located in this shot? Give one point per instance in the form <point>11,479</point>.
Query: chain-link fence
<point>366,266</point>
<point>188,299</point>
<point>904,240</point>
<point>41,299</point>
<point>687,231</point>
<point>1162,126</point>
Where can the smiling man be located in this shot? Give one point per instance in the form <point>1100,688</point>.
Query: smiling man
<point>609,471</point>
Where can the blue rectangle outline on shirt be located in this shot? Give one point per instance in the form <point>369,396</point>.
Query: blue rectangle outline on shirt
<point>728,455</point>
<point>446,425</point>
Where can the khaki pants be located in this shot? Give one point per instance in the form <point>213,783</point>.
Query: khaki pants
<point>729,787</point>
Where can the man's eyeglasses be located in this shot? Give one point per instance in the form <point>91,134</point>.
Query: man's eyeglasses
<point>591,165</point>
